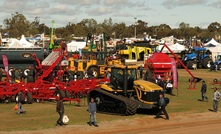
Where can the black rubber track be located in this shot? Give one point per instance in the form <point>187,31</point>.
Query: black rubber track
<point>131,106</point>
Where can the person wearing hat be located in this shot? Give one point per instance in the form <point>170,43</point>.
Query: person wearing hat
<point>216,98</point>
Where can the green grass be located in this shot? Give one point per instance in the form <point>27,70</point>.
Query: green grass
<point>43,115</point>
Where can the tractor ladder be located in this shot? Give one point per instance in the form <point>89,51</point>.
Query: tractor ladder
<point>50,62</point>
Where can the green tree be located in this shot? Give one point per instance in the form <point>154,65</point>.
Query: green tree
<point>89,25</point>
<point>214,27</point>
<point>17,25</point>
<point>184,27</point>
<point>119,30</point>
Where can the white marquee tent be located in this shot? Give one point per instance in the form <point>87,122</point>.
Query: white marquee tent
<point>176,48</point>
<point>212,43</point>
<point>214,47</point>
<point>20,43</point>
<point>25,43</point>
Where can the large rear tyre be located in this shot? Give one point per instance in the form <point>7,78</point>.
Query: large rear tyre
<point>95,71</point>
<point>189,64</point>
<point>219,66</point>
<point>28,98</point>
<point>67,94</point>
<point>60,94</point>
<point>206,62</point>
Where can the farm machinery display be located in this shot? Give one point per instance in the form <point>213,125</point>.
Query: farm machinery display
<point>46,84</point>
<point>126,93</point>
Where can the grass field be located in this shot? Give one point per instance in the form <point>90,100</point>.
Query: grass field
<point>42,115</point>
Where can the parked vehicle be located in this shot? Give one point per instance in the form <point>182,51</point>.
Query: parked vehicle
<point>199,56</point>
<point>125,93</point>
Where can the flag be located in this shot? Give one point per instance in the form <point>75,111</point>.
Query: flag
<point>174,70</point>
<point>5,62</point>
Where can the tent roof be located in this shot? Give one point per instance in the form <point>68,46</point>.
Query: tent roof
<point>212,43</point>
<point>176,48</point>
<point>24,42</point>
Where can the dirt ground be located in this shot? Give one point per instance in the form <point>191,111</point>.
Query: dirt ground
<point>181,123</point>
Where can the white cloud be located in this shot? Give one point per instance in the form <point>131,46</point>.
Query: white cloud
<point>175,3</point>
<point>99,11</point>
<point>216,4</point>
<point>78,3</point>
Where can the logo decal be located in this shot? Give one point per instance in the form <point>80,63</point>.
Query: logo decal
<point>26,55</point>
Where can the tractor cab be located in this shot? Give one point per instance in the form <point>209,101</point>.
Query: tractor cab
<point>122,77</point>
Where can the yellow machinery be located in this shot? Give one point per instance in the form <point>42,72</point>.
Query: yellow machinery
<point>95,59</point>
<point>92,63</point>
<point>135,52</point>
<point>125,93</point>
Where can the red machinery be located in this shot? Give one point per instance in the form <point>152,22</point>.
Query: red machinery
<point>46,85</point>
<point>160,64</point>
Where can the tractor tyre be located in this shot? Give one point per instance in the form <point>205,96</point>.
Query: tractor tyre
<point>189,64</point>
<point>80,75</point>
<point>28,98</point>
<point>67,94</point>
<point>205,62</point>
<point>96,69</point>
<point>16,98</point>
<point>60,94</point>
<point>219,66</point>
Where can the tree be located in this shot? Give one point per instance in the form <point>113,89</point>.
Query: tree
<point>106,27</point>
<point>214,27</point>
<point>184,27</point>
<point>90,25</point>
<point>163,30</point>
<point>119,30</point>
<point>17,25</point>
<point>141,28</point>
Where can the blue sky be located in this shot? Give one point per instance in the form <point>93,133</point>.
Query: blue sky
<point>171,12</point>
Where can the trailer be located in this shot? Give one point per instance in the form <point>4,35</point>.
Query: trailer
<point>22,57</point>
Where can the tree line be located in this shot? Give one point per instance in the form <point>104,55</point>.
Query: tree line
<point>17,25</point>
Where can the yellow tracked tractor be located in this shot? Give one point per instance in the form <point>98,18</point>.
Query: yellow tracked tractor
<point>125,93</point>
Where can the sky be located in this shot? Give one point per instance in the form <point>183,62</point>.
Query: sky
<point>155,12</point>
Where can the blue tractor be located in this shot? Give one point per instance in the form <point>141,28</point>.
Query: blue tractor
<point>217,64</point>
<point>198,56</point>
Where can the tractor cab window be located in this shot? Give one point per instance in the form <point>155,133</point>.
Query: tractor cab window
<point>132,74</point>
<point>117,78</point>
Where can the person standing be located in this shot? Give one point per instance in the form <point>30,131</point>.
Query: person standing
<point>92,110</point>
<point>216,98</point>
<point>141,71</point>
<point>60,110</point>
<point>162,107</point>
<point>21,100</point>
<point>203,91</point>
